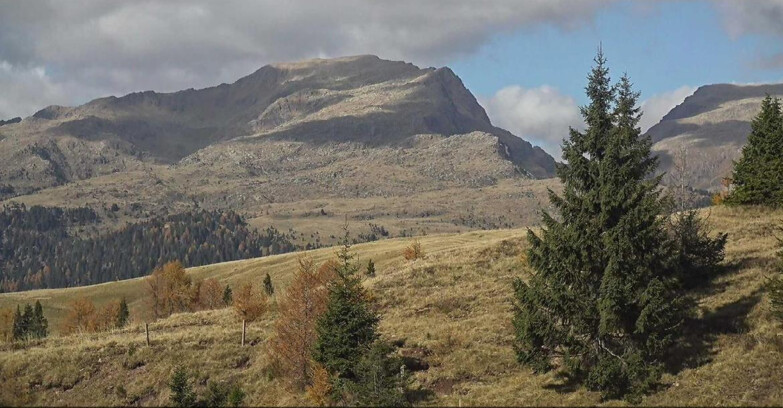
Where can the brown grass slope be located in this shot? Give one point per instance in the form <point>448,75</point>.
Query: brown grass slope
<point>452,309</point>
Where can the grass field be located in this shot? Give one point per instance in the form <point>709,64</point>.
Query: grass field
<point>452,309</point>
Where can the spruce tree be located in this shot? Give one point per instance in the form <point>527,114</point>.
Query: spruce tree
<point>122,314</point>
<point>182,394</point>
<point>758,175</point>
<point>381,379</point>
<point>268,287</point>
<point>228,297</point>
<point>40,325</point>
<point>602,301</point>
<point>370,268</point>
<point>348,326</point>
<point>19,329</point>
<point>28,322</point>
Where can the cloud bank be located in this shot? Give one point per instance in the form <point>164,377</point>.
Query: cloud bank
<point>69,53</point>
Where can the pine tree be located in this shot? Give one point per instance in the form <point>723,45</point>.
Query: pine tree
<point>758,175</point>
<point>228,297</point>
<point>381,378</point>
<point>370,268</point>
<point>268,287</point>
<point>28,322</point>
<point>603,300</point>
<point>19,329</point>
<point>40,325</point>
<point>348,326</point>
<point>123,314</point>
<point>182,394</point>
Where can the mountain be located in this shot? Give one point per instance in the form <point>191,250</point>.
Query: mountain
<point>347,128</point>
<point>711,125</point>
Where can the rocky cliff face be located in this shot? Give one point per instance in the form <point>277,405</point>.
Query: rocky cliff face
<point>359,100</point>
<point>711,126</point>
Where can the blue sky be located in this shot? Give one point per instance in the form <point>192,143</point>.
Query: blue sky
<point>525,60</point>
<point>662,47</point>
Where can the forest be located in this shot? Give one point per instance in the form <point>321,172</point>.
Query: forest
<point>37,249</point>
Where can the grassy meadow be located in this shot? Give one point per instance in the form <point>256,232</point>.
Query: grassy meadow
<point>451,310</point>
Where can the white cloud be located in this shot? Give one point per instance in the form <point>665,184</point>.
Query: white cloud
<point>116,47</point>
<point>659,105</point>
<point>540,115</point>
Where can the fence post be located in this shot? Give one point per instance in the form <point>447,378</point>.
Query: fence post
<point>147,330</point>
<point>244,326</point>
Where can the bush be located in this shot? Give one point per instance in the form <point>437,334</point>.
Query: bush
<point>413,251</point>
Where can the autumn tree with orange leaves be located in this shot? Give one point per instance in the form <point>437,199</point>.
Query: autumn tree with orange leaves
<point>211,294</point>
<point>295,334</point>
<point>170,290</point>
<point>249,303</point>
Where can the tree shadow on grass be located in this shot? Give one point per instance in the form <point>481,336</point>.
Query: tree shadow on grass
<point>566,384</point>
<point>696,347</point>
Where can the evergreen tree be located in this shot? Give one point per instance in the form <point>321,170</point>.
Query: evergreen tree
<point>182,394</point>
<point>758,175</point>
<point>122,314</point>
<point>40,325</point>
<point>228,297</point>
<point>698,255</point>
<point>603,297</point>
<point>370,268</point>
<point>348,326</point>
<point>27,325</point>
<point>19,329</point>
<point>268,287</point>
<point>381,378</point>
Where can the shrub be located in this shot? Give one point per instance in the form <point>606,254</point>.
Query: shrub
<point>413,251</point>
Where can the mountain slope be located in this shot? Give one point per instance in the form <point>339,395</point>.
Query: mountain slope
<point>355,99</point>
<point>712,124</point>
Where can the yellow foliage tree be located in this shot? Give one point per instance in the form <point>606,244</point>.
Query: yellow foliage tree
<point>295,334</point>
<point>81,318</point>
<point>211,294</point>
<point>170,290</point>
<point>249,304</point>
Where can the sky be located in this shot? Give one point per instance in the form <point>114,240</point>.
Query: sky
<point>525,60</point>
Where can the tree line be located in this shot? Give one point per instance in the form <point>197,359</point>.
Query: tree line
<point>37,250</point>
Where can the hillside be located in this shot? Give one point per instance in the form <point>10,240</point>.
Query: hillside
<point>452,309</point>
<point>289,139</point>
<point>713,125</point>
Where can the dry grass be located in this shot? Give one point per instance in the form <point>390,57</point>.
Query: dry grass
<point>452,309</point>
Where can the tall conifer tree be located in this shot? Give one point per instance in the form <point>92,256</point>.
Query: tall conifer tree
<point>758,175</point>
<point>602,299</point>
<point>348,326</point>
